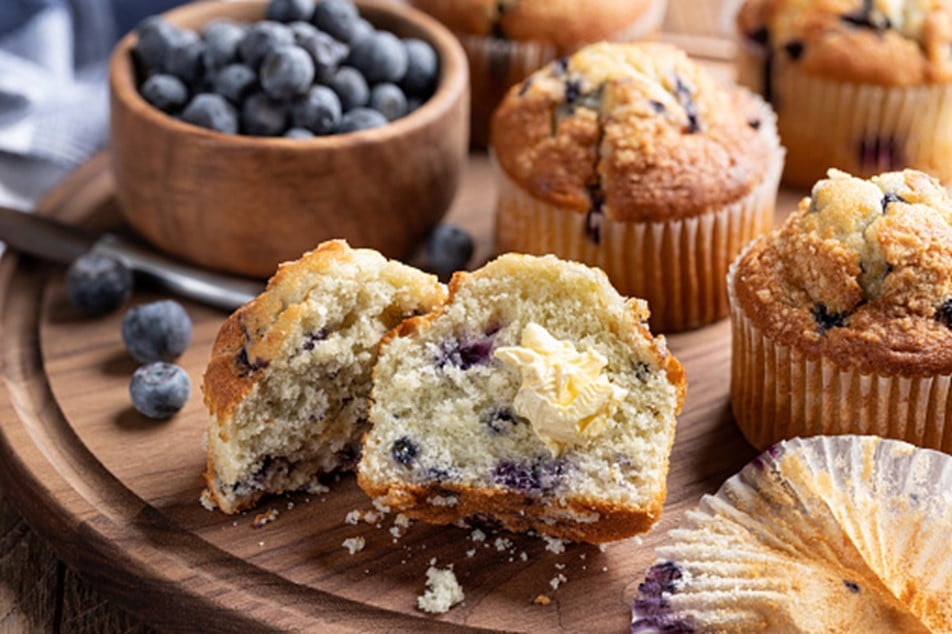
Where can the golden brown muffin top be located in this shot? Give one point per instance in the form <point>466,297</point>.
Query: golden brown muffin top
<point>635,131</point>
<point>883,42</point>
<point>860,273</point>
<point>567,24</point>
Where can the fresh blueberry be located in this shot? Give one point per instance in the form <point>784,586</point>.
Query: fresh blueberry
<point>159,389</point>
<point>155,35</point>
<point>362,30</point>
<point>299,133</point>
<point>414,103</point>
<point>286,72</point>
<point>318,110</point>
<point>290,10</point>
<point>234,82</point>
<point>262,38</point>
<point>98,283</point>
<point>944,313</point>
<point>262,116</point>
<point>448,248</point>
<point>166,92</point>
<point>184,58</point>
<point>388,100</point>
<point>380,57</point>
<point>351,88</point>
<point>211,111</point>
<point>326,52</point>
<point>404,451</point>
<point>160,331</point>
<point>337,17</point>
<point>222,38</point>
<point>827,320</point>
<point>422,68</point>
<point>361,119</point>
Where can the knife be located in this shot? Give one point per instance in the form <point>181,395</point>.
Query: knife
<point>59,242</point>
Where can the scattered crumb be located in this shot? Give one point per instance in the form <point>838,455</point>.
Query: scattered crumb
<point>207,501</point>
<point>380,506</point>
<point>262,519</point>
<point>432,561</point>
<point>582,556</point>
<point>604,568</point>
<point>442,591</point>
<point>372,518</point>
<point>316,488</point>
<point>554,545</point>
<point>290,505</point>
<point>471,553</point>
<point>502,544</point>
<point>523,556</point>
<point>477,535</point>
<point>235,523</point>
<point>396,532</point>
<point>560,566</point>
<point>557,580</point>
<point>542,600</point>
<point>354,544</point>
<point>602,548</point>
<point>261,544</point>
<point>401,520</point>
<point>353,517</point>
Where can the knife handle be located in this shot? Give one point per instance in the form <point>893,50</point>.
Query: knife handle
<point>44,237</point>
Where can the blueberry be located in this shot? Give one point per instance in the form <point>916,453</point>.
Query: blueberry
<point>326,52</point>
<point>262,38</point>
<point>213,112</point>
<point>532,479</point>
<point>160,331</point>
<point>318,110</point>
<point>465,354</point>
<point>159,389</point>
<point>826,320</point>
<point>262,116</point>
<point>98,283</point>
<point>448,248</point>
<point>422,68</point>
<point>155,35</point>
<point>362,29</point>
<point>944,313</point>
<point>299,133</point>
<point>184,58</point>
<point>234,82</point>
<point>794,49</point>
<point>165,92</point>
<point>286,72</point>
<point>337,17</point>
<point>388,100</point>
<point>361,119</point>
<point>404,451</point>
<point>222,38</point>
<point>290,10</point>
<point>380,57</point>
<point>414,103</point>
<point>351,88</point>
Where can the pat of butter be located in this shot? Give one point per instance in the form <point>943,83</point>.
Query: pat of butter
<point>564,394</point>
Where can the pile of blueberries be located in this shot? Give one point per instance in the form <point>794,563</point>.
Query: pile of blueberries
<point>155,334</point>
<point>313,67</point>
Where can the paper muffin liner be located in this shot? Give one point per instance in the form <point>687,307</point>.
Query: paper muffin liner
<point>497,64</point>
<point>679,266</point>
<point>863,129</point>
<point>778,392</point>
<point>809,536</point>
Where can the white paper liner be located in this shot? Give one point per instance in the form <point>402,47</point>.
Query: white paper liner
<point>862,129</point>
<point>497,64</point>
<point>777,393</point>
<point>679,266</point>
<point>820,534</point>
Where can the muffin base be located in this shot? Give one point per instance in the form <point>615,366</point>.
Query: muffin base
<point>679,266</point>
<point>863,129</point>
<point>495,65</point>
<point>777,393</point>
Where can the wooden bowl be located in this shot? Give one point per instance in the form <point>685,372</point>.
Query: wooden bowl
<point>243,204</point>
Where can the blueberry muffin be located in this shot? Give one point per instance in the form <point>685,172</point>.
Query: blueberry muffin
<point>858,85</point>
<point>825,534</point>
<point>535,398</point>
<point>289,377</point>
<point>506,40</point>
<point>842,317</point>
<point>631,158</point>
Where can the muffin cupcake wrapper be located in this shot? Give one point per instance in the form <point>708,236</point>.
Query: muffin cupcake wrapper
<point>496,64</point>
<point>679,266</point>
<point>777,392</point>
<point>862,129</point>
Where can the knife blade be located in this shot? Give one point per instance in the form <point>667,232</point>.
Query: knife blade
<point>59,242</point>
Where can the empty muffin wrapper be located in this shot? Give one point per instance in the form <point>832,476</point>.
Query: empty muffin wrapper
<point>829,533</point>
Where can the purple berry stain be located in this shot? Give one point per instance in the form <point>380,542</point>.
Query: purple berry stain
<point>651,609</point>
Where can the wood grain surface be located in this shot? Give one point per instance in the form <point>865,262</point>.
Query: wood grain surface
<point>116,495</point>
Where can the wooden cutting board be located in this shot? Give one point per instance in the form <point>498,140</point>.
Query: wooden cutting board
<point>117,494</point>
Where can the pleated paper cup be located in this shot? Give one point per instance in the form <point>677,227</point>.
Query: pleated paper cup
<point>778,392</point>
<point>823,534</point>
<point>497,64</point>
<point>863,129</point>
<point>679,266</point>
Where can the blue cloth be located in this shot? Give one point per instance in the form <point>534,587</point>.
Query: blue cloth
<point>53,86</point>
